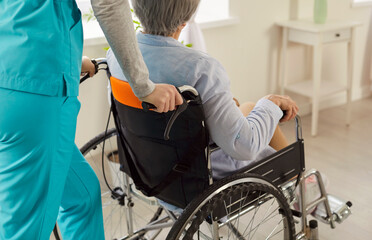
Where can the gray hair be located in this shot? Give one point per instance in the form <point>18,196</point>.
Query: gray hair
<point>163,17</point>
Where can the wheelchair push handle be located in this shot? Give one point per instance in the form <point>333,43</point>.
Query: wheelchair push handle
<point>298,125</point>
<point>148,106</point>
<point>85,77</point>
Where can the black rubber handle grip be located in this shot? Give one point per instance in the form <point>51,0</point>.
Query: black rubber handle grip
<point>86,76</point>
<point>284,113</point>
<point>147,106</point>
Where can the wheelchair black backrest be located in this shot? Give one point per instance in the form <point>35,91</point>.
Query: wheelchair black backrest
<point>173,170</point>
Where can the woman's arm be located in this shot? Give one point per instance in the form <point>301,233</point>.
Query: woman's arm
<point>240,137</point>
<point>115,19</point>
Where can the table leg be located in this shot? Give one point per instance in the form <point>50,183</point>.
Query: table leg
<point>282,62</point>
<point>317,72</point>
<point>350,68</point>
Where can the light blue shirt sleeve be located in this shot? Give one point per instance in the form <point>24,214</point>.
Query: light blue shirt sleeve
<point>242,138</point>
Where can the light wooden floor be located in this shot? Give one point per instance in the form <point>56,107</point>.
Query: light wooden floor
<point>344,154</point>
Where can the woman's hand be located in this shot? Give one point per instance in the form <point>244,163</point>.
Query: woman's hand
<point>286,104</point>
<point>165,97</point>
<point>87,67</point>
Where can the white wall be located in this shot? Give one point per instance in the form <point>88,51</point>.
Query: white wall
<point>249,52</point>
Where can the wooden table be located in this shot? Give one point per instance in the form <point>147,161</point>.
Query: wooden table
<point>316,35</point>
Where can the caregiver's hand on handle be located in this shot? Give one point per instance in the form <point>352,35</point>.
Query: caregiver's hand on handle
<point>88,67</point>
<point>285,103</point>
<point>165,97</point>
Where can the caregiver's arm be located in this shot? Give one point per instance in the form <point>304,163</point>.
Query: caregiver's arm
<point>115,19</point>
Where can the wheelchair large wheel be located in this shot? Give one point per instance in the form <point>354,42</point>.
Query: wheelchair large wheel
<point>243,206</point>
<point>118,207</point>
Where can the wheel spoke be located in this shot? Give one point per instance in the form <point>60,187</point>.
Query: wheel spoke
<point>273,231</point>
<point>254,215</point>
<point>264,216</point>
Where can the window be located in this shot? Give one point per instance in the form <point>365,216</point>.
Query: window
<point>211,10</point>
<point>211,13</point>
<point>361,3</point>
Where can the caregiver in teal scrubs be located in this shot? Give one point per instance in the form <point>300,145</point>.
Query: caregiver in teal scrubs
<point>42,173</point>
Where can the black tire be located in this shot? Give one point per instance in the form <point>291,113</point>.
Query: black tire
<point>97,140</point>
<point>113,189</point>
<point>221,197</point>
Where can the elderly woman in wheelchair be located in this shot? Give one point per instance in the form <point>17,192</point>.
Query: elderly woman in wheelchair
<point>242,134</point>
<point>230,168</point>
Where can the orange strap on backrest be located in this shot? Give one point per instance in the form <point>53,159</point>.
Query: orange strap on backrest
<point>124,94</point>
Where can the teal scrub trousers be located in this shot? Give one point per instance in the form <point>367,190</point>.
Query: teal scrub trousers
<point>42,172</point>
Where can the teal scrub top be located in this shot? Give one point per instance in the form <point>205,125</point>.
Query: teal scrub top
<point>41,43</point>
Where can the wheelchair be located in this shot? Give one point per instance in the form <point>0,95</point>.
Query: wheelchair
<point>149,157</point>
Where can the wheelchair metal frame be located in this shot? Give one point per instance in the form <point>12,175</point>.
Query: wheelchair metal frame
<point>286,187</point>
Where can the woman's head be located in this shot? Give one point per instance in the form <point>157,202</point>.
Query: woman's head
<point>163,17</point>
